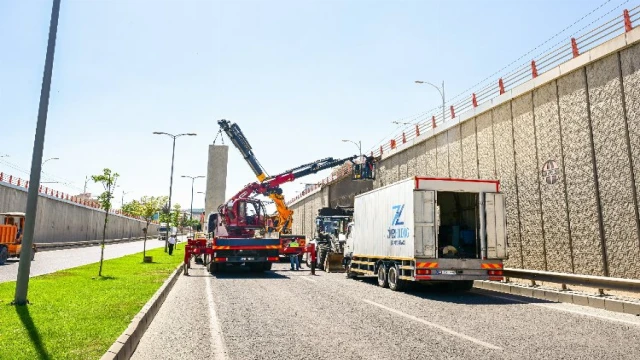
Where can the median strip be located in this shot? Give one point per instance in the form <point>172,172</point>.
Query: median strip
<point>76,315</point>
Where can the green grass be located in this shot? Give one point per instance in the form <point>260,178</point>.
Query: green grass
<point>76,315</point>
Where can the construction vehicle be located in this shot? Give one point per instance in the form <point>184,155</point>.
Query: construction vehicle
<point>11,236</point>
<point>330,235</point>
<point>428,230</point>
<point>270,185</point>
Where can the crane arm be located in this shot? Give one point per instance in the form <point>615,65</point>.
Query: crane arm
<point>242,144</point>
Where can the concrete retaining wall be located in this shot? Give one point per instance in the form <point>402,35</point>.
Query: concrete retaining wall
<point>566,149</point>
<point>64,221</point>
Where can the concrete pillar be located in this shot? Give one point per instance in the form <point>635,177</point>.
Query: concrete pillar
<point>216,177</point>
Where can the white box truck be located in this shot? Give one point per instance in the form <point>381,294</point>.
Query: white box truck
<point>428,229</point>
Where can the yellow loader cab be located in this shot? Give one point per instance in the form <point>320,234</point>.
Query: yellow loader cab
<point>11,229</point>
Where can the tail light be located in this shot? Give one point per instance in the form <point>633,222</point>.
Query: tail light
<point>272,259</point>
<point>495,272</point>
<point>219,259</point>
<point>423,272</point>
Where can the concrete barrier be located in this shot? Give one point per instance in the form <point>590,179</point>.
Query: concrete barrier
<point>60,220</point>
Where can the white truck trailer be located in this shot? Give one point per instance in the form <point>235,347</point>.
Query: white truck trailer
<point>428,229</point>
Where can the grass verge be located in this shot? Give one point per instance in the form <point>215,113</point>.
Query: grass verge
<point>76,315</point>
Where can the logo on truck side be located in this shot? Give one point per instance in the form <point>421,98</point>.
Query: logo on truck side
<point>397,233</point>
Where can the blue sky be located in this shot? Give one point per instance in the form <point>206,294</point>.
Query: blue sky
<point>297,76</point>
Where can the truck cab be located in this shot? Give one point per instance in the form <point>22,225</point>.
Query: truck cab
<point>11,230</point>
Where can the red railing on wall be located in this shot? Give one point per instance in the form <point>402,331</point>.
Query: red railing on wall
<point>13,180</point>
<point>561,53</point>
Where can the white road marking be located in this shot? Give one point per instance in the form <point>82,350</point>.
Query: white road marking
<point>439,327</point>
<point>307,279</point>
<point>219,348</point>
<point>552,307</point>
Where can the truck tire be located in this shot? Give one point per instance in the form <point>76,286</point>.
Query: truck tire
<point>393,278</point>
<point>383,281</point>
<point>213,268</point>
<point>33,254</point>
<point>4,254</point>
<point>266,266</point>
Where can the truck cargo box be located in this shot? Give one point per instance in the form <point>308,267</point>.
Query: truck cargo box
<point>424,217</point>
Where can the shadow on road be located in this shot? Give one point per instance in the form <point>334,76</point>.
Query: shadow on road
<point>27,322</point>
<point>236,272</point>
<point>439,292</point>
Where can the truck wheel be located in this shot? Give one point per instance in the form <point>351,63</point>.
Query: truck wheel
<point>395,283</point>
<point>382,277</point>
<point>266,266</point>
<point>213,268</point>
<point>4,254</point>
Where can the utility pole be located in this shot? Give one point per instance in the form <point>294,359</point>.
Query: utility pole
<point>24,268</point>
<point>193,178</point>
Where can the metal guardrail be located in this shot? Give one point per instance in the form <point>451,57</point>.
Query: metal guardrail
<point>597,282</point>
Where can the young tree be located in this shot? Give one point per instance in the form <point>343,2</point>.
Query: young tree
<point>132,208</point>
<point>149,207</point>
<point>108,180</point>
<point>175,215</point>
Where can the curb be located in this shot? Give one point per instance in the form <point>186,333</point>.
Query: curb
<point>566,296</point>
<point>126,344</point>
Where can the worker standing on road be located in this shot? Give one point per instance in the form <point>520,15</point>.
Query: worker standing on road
<point>294,257</point>
<point>172,242</point>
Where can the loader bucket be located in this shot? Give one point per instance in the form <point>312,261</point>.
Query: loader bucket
<point>333,263</point>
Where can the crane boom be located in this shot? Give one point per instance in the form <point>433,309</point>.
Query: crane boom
<point>242,144</point>
<point>270,185</point>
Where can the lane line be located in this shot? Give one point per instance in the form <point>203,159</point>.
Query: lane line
<point>219,348</point>
<point>549,306</point>
<point>307,279</point>
<point>439,327</point>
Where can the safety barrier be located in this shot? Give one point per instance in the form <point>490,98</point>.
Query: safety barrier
<point>598,282</point>
<point>560,53</point>
<point>14,180</point>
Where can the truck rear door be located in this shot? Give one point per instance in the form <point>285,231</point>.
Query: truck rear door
<point>496,224</point>
<point>424,204</point>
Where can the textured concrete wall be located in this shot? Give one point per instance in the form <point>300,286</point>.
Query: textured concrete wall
<point>613,166</point>
<point>442,155</point>
<point>63,221</point>
<point>342,192</point>
<point>455,152</point>
<point>469,149</point>
<point>216,177</point>
<point>567,154</point>
<point>552,187</point>
<point>506,173</point>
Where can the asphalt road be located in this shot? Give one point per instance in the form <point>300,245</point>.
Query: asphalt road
<point>49,261</point>
<point>292,315</point>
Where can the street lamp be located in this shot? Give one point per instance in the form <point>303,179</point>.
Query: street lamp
<point>358,144</point>
<point>437,88</point>
<point>123,194</point>
<point>174,137</point>
<point>44,162</point>
<point>193,178</point>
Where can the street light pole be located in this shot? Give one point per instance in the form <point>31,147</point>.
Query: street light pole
<point>193,179</point>
<point>439,90</point>
<point>173,154</point>
<point>24,268</point>
<point>358,144</point>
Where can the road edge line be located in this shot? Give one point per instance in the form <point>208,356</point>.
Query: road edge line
<point>127,342</point>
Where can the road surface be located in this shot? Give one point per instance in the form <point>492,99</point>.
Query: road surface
<point>292,315</point>
<point>49,261</point>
